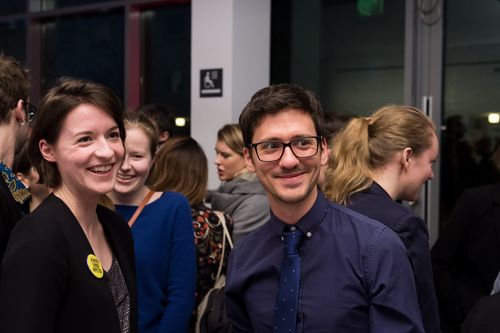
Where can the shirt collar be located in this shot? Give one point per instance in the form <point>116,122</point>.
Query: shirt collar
<point>16,187</point>
<point>377,189</point>
<point>310,221</point>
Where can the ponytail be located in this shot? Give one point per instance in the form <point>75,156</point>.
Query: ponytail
<point>349,165</point>
<point>367,144</point>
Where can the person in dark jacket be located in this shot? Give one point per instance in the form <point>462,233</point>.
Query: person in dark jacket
<point>379,160</point>
<point>69,266</point>
<point>14,127</point>
<point>466,256</point>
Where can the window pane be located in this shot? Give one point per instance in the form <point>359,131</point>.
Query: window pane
<point>167,59</point>
<point>334,48</point>
<point>89,47</point>
<point>13,40</point>
<point>472,79</point>
<point>53,4</point>
<point>8,7</point>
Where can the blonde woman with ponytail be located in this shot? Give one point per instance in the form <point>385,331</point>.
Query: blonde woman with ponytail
<point>382,159</point>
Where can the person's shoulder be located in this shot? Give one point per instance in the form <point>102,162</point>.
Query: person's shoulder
<point>49,213</point>
<point>114,219</point>
<point>366,229</point>
<point>174,197</point>
<point>258,236</point>
<point>385,210</point>
<point>342,214</point>
<point>44,225</point>
<point>484,315</point>
<point>246,184</point>
<point>481,192</point>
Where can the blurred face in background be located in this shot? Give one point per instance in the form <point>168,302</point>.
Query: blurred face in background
<point>134,170</point>
<point>229,163</point>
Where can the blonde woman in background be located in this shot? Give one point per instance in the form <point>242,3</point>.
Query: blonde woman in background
<point>163,235</point>
<point>240,195</point>
<point>382,159</point>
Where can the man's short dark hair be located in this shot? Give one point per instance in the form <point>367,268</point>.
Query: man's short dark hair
<point>162,115</point>
<point>277,98</point>
<point>14,85</point>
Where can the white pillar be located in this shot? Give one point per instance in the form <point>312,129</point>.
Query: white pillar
<point>233,35</point>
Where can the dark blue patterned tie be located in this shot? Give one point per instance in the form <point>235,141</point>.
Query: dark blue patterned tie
<point>287,300</point>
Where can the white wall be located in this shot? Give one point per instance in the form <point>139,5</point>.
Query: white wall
<point>233,35</point>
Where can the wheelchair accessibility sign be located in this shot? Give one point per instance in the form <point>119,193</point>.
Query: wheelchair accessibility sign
<point>211,82</point>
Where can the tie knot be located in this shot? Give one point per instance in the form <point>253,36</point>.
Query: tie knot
<point>292,240</point>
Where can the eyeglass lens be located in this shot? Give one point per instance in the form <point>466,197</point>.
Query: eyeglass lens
<point>273,151</point>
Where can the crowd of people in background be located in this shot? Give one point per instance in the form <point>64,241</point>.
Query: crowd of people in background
<point>107,223</point>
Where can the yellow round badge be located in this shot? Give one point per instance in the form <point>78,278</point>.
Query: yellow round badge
<point>95,266</point>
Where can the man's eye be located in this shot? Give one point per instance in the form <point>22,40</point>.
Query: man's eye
<point>304,142</point>
<point>270,145</point>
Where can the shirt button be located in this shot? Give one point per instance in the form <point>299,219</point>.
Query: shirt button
<point>293,228</point>
<point>308,234</point>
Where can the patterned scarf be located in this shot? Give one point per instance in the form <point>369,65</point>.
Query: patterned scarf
<point>16,187</point>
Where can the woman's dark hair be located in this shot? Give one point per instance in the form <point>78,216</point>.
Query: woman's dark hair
<point>22,162</point>
<point>64,97</point>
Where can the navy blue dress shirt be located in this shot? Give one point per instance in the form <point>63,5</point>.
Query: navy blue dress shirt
<point>375,203</point>
<point>355,276</point>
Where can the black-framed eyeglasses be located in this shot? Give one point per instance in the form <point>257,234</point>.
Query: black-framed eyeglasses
<point>272,151</point>
<point>30,111</point>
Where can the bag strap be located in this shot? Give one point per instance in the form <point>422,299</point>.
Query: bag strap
<point>140,208</point>
<point>224,226</point>
<point>227,237</point>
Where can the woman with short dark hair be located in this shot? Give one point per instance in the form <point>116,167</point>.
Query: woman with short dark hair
<point>69,266</point>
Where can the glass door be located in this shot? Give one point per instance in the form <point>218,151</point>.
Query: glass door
<point>471,107</point>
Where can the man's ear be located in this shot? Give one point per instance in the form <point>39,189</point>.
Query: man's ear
<point>19,113</point>
<point>247,154</point>
<point>324,152</point>
<point>406,157</point>
<point>46,150</point>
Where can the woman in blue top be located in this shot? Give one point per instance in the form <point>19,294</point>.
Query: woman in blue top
<point>163,236</point>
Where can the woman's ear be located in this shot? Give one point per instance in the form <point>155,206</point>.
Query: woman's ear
<point>406,157</point>
<point>46,150</point>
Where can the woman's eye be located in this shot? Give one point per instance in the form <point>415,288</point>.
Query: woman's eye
<point>114,135</point>
<point>84,139</point>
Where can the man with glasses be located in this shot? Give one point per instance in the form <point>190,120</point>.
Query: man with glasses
<point>315,266</point>
<point>15,115</point>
